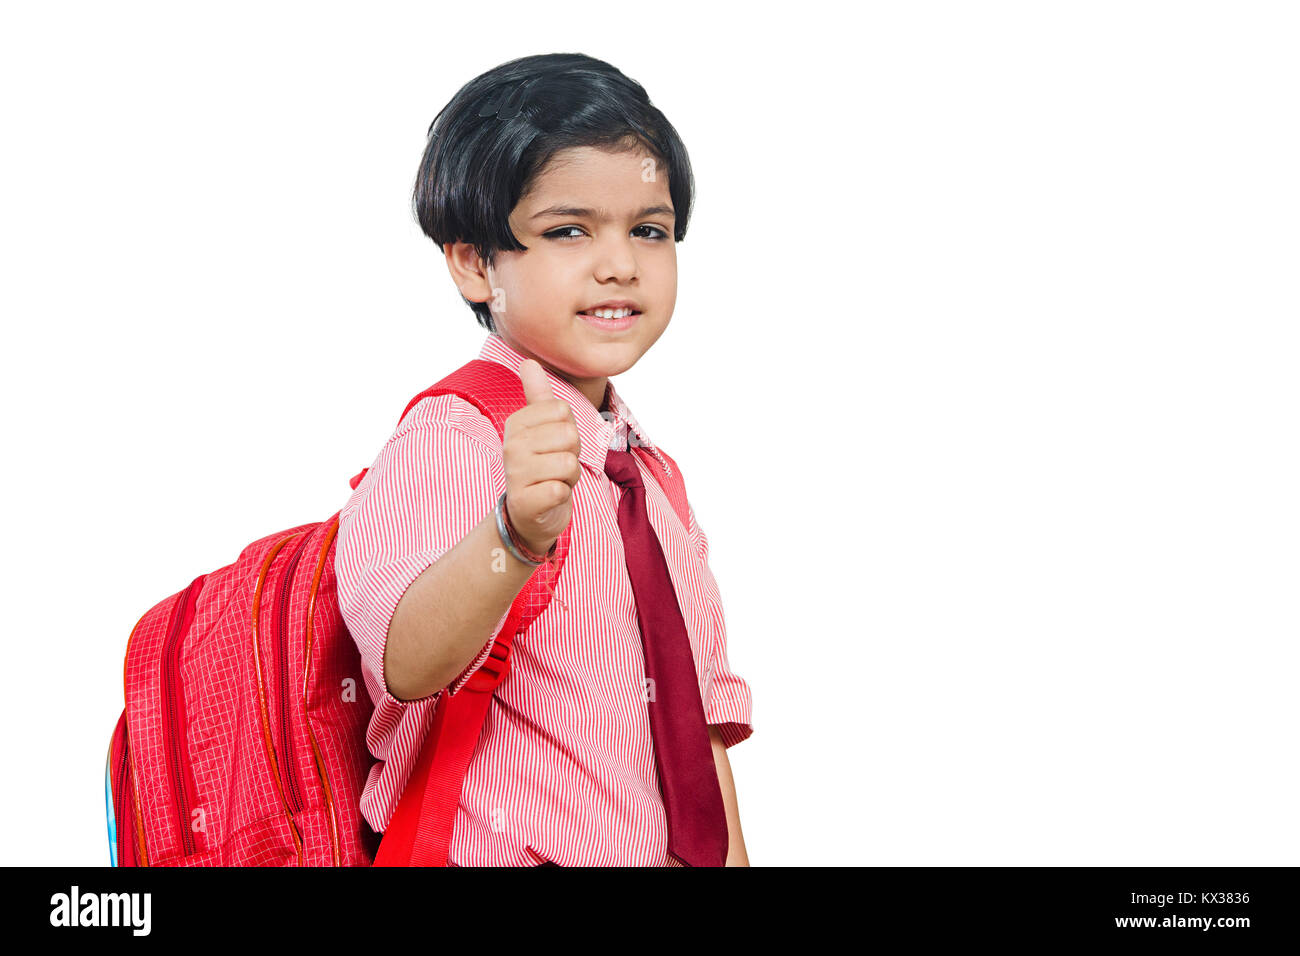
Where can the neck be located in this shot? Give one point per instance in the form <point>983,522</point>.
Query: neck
<point>593,388</point>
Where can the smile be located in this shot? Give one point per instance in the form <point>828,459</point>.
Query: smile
<point>612,320</point>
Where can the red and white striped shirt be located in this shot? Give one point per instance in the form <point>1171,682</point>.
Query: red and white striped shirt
<point>564,770</point>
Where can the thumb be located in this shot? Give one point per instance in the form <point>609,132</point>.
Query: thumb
<point>537,387</point>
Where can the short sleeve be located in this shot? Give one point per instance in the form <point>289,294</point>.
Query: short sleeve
<point>431,484</point>
<point>729,704</point>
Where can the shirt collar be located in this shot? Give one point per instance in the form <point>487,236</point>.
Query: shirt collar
<point>598,432</point>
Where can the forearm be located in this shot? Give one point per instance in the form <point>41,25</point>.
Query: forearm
<point>736,855</point>
<point>448,613</point>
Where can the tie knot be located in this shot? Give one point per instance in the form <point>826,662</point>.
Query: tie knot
<point>621,468</point>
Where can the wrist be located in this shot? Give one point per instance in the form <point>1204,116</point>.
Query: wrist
<point>523,550</point>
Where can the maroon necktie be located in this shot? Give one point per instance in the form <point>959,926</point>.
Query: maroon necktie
<point>688,776</point>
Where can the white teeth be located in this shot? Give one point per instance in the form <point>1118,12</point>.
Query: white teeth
<point>609,313</point>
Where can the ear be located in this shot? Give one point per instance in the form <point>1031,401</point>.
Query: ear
<point>468,271</point>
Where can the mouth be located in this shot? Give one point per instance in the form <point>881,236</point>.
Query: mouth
<point>611,320</point>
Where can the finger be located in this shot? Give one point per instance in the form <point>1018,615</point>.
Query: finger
<point>554,436</point>
<point>541,500</point>
<point>555,466</point>
<point>537,387</point>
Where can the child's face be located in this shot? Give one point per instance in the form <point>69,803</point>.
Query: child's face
<point>620,248</point>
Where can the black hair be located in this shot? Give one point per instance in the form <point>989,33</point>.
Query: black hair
<point>488,144</point>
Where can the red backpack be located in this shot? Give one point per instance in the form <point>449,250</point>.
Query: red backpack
<point>243,738</point>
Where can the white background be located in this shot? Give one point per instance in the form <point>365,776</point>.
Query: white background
<point>983,376</point>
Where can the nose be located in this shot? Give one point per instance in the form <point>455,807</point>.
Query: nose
<point>616,260</point>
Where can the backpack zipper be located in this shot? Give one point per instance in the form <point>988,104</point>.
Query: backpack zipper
<point>326,543</point>
<point>268,741</point>
<point>140,850</point>
<point>287,763</point>
<point>174,705</point>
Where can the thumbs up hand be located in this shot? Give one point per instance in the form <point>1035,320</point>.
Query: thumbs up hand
<point>540,453</point>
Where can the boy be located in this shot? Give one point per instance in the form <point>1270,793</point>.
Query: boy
<point>570,188</point>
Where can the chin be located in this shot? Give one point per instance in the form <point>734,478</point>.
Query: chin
<point>604,363</point>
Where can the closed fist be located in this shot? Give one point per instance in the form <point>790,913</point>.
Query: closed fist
<point>540,453</point>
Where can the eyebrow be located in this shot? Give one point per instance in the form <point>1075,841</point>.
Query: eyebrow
<point>601,213</point>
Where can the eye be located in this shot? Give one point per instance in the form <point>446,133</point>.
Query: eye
<point>661,234</point>
<point>556,233</point>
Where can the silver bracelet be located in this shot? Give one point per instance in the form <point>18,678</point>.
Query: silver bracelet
<point>505,535</point>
